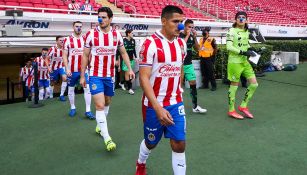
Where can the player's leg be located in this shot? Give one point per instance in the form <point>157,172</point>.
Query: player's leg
<point>62,73</point>
<point>52,82</point>
<point>71,81</point>
<point>153,131</point>
<point>97,88</point>
<point>234,71</point>
<point>88,99</point>
<point>253,84</point>
<point>41,89</point>
<point>190,76</point>
<point>176,133</point>
<point>47,88</point>
<point>122,76</point>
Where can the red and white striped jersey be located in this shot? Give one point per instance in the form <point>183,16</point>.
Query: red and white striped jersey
<point>103,51</point>
<point>42,67</point>
<point>74,47</point>
<point>73,6</point>
<point>30,81</point>
<point>56,58</point>
<point>166,59</point>
<point>25,72</point>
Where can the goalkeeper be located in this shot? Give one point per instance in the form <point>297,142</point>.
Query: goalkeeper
<point>239,52</point>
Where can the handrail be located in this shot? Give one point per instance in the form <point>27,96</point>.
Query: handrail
<point>134,9</point>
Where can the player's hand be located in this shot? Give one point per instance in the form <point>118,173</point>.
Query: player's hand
<point>68,72</point>
<point>131,74</point>
<point>164,117</point>
<point>49,69</point>
<point>82,81</point>
<point>194,33</point>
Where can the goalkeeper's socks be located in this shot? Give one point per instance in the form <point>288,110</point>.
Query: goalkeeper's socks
<point>179,164</point>
<point>248,94</point>
<point>193,93</point>
<point>102,123</point>
<point>232,97</point>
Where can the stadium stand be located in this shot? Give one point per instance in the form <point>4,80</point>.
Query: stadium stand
<point>261,11</point>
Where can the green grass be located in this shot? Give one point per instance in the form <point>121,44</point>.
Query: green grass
<point>46,141</point>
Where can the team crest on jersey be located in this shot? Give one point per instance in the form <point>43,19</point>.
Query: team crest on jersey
<point>142,52</point>
<point>151,137</point>
<point>94,86</point>
<point>114,38</point>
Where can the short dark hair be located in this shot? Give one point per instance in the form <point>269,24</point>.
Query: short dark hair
<point>188,21</point>
<point>45,49</point>
<point>107,10</point>
<point>76,22</point>
<point>128,31</point>
<point>167,11</point>
<point>58,37</point>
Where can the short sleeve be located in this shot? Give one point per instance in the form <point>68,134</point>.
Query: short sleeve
<point>66,44</point>
<point>88,40</point>
<point>147,53</point>
<point>50,51</point>
<point>120,39</point>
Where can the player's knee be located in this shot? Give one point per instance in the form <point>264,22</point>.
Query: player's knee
<point>178,146</point>
<point>99,106</point>
<point>193,82</point>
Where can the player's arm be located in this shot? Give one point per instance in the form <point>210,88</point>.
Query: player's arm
<point>229,42</point>
<point>65,61</point>
<point>214,46</point>
<point>163,115</point>
<point>126,59</point>
<point>84,63</point>
<point>196,45</point>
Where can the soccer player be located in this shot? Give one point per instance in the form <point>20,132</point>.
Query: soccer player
<point>25,77</point>
<point>43,74</point>
<point>129,44</point>
<point>55,55</point>
<point>189,36</point>
<point>161,60</point>
<point>72,56</point>
<point>102,43</point>
<point>239,52</point>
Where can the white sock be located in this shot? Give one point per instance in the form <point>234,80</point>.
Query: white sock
<point>144,153</point>
<point>47,93</point>
<point>63,87</point>
<point>178,162</point>
<point>71,97</point>
<point>87,98</point>
<point>51,91</point>
<point>41,94</point>
<point>106,110</point>
<point>102,123</point>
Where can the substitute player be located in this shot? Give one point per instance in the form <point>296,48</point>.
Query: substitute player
<point>57,70</point>
<point>129,44</point>
<point>25,77</point>
<point>102,43</point>
<point>161,60</point>
<point>72,56</point>
<point>239,52</point>
<point>189,36</point>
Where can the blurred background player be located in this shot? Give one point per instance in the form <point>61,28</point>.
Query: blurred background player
<point>129,44</point>
<point>207,52</point>
<point>55,56</point>
<point>72,56</point>
<point>161,68</point>
<point>189,36</point>
<point>102,42</point>
<point>238,65</point>
<point>25,77</point>
<point>43,74</point>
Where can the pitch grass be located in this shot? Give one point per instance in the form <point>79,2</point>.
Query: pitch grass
<point>46,141</point>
